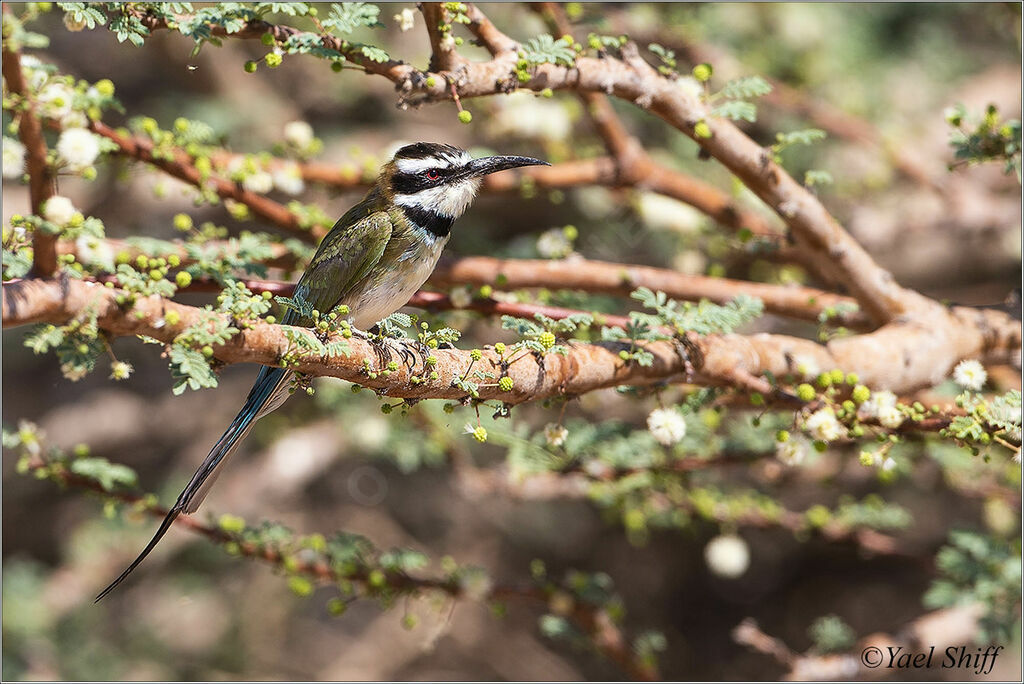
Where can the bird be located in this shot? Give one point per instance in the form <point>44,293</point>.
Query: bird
<point>373,260</point>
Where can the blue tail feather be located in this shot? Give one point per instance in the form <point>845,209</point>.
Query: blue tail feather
<point>266,394</point>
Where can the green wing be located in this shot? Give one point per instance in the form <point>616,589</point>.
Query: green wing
<point>344,258</point>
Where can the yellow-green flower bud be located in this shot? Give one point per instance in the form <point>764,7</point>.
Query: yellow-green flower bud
<point>702,72</point>
<point>183,222</point>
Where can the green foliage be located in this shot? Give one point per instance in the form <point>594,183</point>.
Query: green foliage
<point>814,177</point>
<point>544,49</point>
<point>737,110</point>
<point>806,136</point>
<point>735,93</point>
<point>990,139</point>
<point>77,344</point>
<point>703,318</point>
<point>541,334</point>
<point>245,307</point>
<point>129,27</point>
<point>987,420</point>
<point>190,369</point>
<point>109,475</point>
<point>978,568</point>
<point>83,13</point>
<point>746,87</point>
<point>292,9</point>
<point>346,17</point>
<point>831,635</point>
<point>667,57</point>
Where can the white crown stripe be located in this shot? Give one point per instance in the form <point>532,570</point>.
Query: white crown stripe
<point>417,165</point>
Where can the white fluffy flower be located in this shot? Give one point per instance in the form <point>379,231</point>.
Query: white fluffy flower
<point>260,181</point>
<point>691,86</point>
<point>406,20</point>
<point>78,147</point>
<point>667,426</point>
<point>552,244</point>
<point>807,366</point>
<point>447,43</point>
<point>59,210</point>
<point>55,100</point>
<point>461,297</point>
<point>555,434</point>
<point>792,452</point>
<point>298,133</point>
<point>885,463</point>
<point>527,116</point>
<point>878,403</point>
<point>970,374</point>
<point>727,555</point>
<point>91,250</point>
<point>890,416</point>
<point>822,424</point>
<point>288,179</point>
<point>14,158</point>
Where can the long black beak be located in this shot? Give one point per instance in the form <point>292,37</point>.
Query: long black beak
<point>488,165</point>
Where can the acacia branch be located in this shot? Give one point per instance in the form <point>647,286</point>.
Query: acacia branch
<point>182,167</point>
<point>593,620</point>
<point>940,628</point>
<point>444,57</point>
<point>621,279</point>
<point>900,356</point>
<point>41,178</point>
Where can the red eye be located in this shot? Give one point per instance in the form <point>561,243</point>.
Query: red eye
<point>432,174</point>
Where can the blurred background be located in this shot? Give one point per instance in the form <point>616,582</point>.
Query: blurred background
<point>881,77</point>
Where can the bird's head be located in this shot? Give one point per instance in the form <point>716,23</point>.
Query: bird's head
<point>441,180</point>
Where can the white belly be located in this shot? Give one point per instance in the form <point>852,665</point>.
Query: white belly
<point>390,293</point>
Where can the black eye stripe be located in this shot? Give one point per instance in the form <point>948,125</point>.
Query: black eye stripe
<point>408,183</point>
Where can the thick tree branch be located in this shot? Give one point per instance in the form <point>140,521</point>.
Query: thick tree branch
<point>444,57</point>
<point>900,356</point>
<point>41,178</point>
